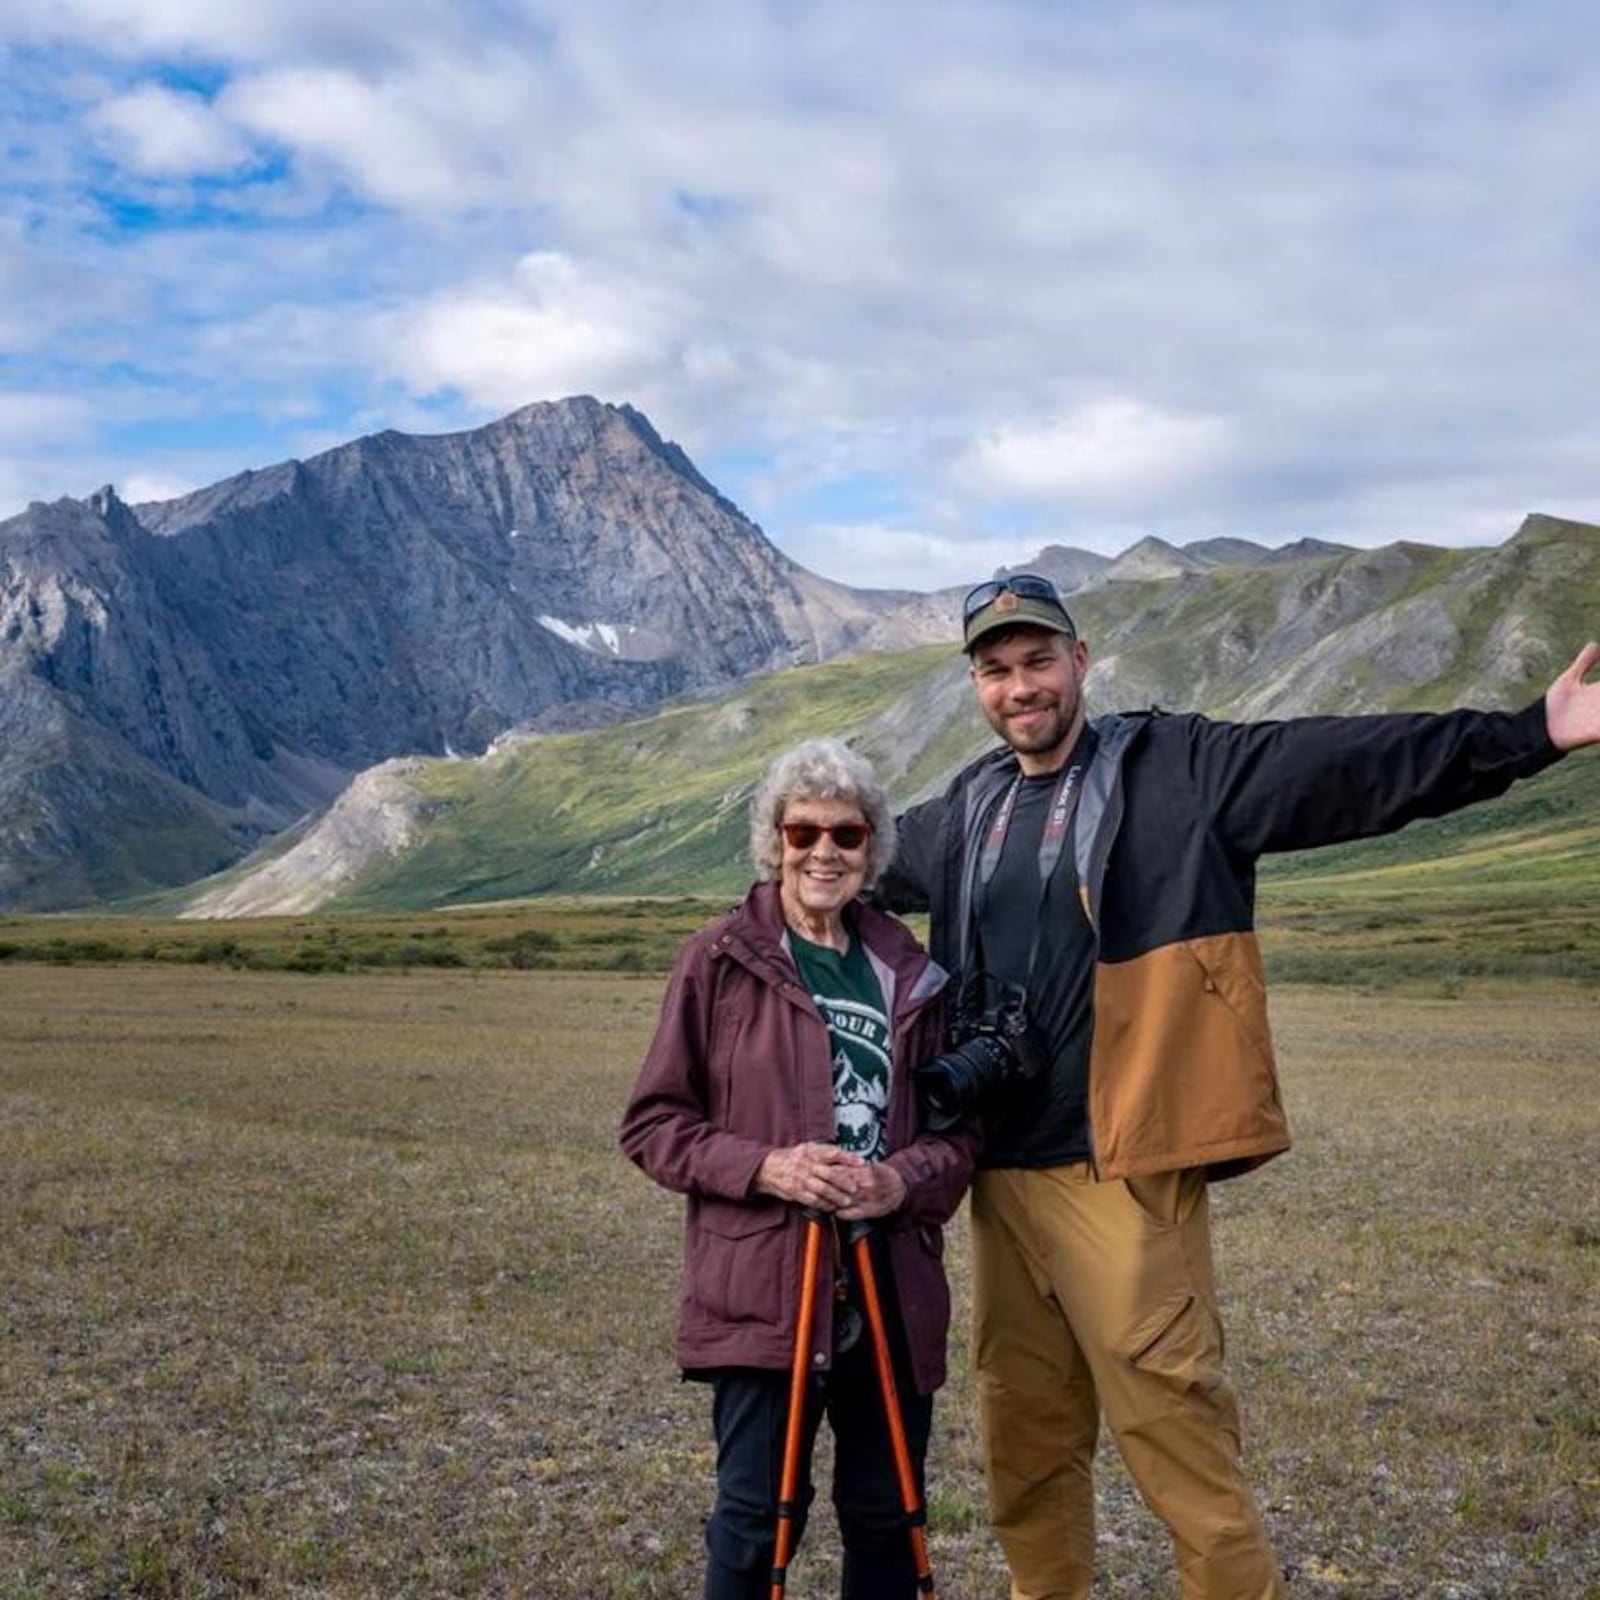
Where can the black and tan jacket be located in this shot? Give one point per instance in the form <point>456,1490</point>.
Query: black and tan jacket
<point>1174,813</point>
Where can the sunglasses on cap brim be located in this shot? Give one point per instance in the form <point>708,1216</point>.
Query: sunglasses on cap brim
<point>1027,585</point>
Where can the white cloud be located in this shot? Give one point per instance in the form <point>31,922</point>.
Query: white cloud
<point>161,132</point>
<point>49,284</point>
<point>1158,268</point>
<point>233,30</point>
<point>33,417</point>
<point>1113,452</point>
<point>551,331</point>
<point>432,139</point>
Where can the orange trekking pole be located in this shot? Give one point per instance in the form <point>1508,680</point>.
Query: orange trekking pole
<point>910,1500</point>
<point>789,1484</point>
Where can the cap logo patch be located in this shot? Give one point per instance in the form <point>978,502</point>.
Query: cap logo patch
<point>1005,601</point>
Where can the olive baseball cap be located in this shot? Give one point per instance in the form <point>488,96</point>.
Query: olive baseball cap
<point>1021,600</point>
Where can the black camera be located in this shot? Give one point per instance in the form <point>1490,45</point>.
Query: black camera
<point>993,1046</point>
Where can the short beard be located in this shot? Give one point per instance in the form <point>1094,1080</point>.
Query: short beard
<point>1036,744</point>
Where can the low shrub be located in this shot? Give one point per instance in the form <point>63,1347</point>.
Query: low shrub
<point>65,952</point>
<point>527,948</point>
<point>311,958</point>
<point>421,955</point>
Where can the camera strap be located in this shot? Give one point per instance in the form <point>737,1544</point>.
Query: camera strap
<point>1063,802</point>
<point>1052,841</point>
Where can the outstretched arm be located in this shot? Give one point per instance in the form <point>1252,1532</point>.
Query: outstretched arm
<point>1571,706</point>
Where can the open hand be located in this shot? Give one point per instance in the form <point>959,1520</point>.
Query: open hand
<point>1571,706</point>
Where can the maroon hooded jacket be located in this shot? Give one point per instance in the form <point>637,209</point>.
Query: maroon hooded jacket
<point>742,1064</point>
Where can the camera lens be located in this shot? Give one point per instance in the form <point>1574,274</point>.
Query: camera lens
<point>939,1084</point>
<point>950,1085</point>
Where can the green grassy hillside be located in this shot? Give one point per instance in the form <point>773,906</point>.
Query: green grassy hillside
<point>650,807</point>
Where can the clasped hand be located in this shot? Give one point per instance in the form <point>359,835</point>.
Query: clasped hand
<point>829,1179</point>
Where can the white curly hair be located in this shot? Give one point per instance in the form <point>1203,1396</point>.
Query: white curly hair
<point>820,769</point>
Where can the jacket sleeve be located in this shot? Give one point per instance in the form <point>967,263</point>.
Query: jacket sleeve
<point>1322,780</point>
<point>666,1128</point>
<point>907,885</point>
<point>937,1169</point>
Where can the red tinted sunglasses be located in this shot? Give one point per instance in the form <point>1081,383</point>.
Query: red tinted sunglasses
<point>847,835</point>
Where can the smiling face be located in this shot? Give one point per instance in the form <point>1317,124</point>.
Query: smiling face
<point>1030,688</point>
<point>816,883</point>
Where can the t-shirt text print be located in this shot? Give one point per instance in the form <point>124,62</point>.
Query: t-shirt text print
<point>845,990</point>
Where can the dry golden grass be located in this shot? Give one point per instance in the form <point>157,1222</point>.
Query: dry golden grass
<point>336,1286</point>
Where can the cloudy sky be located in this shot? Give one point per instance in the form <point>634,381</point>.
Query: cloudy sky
<point>921,286</point>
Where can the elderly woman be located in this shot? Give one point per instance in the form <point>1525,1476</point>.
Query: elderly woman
<point>779,1079</point>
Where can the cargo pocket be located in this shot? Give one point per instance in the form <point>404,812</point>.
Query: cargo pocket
<point>741,1261</point>
<point>1179,1341</point>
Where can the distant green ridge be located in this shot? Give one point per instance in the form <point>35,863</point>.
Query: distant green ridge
<point>658,806</point>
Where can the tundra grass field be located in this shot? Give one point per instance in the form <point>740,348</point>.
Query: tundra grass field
<point>334,1284</point>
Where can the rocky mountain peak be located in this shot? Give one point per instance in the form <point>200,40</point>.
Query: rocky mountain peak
<point>1539,528</point>
<point>1149,560</point>
<point>1225,552</point>
<point>1310,550</point>
<point>261,639</point>
<point>1066,567</point>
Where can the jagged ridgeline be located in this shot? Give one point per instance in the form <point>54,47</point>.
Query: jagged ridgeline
<point>546,656</point>
<point>179,681</point>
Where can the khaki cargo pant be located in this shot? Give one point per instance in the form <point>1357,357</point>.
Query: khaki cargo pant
<point>1095,1298</point>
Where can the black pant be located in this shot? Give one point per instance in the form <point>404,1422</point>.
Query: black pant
<point>750,1411</point>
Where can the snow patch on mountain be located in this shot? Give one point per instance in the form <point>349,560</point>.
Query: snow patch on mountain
<point>589,635</point>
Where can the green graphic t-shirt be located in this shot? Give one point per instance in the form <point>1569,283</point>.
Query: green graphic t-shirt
<point>846,992</point>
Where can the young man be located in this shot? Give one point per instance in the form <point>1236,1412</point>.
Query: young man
<point>1106,870</point>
